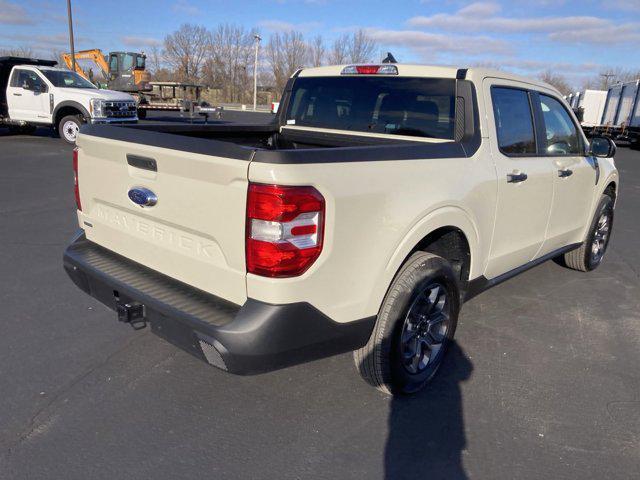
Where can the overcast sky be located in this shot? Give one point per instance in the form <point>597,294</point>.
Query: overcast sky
<point>575,38</point>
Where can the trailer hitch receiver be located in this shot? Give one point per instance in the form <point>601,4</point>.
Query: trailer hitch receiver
<point>131,313</point>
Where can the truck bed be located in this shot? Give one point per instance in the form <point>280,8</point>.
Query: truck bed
<point>270,144</point>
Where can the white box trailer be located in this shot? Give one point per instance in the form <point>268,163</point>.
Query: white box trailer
<point>591,103</point>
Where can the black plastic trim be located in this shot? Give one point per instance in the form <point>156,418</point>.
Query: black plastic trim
<point>137,134</point>
<point>144,163</point>
<point>482,283</point>
<point>406,150</point>
<point>472,137</point>
<point>203,129</point>
<point>252,338</point>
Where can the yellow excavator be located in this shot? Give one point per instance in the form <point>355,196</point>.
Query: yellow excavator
<point>121,71</point>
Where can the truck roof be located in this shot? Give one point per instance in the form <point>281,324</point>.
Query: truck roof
<point>439,71</point>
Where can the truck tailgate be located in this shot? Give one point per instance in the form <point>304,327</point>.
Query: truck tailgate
<point>194,233</point>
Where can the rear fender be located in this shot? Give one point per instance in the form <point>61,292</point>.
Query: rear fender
<point>446,216</point>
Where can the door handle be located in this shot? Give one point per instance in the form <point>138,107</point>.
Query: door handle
<point>565,173</point>
<point>17,94</point>
<point>516,177</point>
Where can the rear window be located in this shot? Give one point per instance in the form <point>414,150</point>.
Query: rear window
<point>393,105</point>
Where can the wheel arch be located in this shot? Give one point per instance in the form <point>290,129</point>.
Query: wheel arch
<point>68,107</point>
<point>449,232</point>
<point>611,189</point>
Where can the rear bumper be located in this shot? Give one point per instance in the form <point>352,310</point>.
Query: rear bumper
<point>252,338</point>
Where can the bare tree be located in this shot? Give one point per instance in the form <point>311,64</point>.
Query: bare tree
<point>22,51</point>
<point>355,48</point>
<point>611,76</point>
<point>185,51</point>
<point>339,50</point>
<point>56,55</point>
<point>556,80</point>
<point>286,52</point>
<point>157,66</point>
<point>361,48</point>
<point>317,51</point>
<point>154,59</point>
<point>230,65</point>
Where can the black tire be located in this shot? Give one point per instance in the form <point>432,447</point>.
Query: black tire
<point>383,362</point>
<point>585,258</point>
<point>142,113</point>
<point>66,131</point>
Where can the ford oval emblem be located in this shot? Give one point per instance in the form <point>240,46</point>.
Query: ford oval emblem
<point>143,197</point>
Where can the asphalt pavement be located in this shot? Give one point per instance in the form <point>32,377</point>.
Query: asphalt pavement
<point>543,382</point>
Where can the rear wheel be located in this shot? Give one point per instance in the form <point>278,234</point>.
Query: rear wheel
<point>68,128</point>
<point>415,324</point>
<point>590,254</point>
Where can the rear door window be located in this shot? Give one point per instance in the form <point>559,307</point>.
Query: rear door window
<point>514,121</point>
<point>389,105</point>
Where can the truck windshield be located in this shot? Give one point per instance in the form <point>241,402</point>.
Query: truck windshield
<point>66,79</point>
<point>420,107</point>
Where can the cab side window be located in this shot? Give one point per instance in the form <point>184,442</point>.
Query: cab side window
<point>561,133</point>
<point>514,121</point>
<point>27,78</point>
<point>18,78</point>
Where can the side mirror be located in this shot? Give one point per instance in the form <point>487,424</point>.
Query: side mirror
<point>602,147</point>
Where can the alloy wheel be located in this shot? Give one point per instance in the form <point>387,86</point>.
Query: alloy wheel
<point>425,328</point>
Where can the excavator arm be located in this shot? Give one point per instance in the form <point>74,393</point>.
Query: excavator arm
<point>94,55</point>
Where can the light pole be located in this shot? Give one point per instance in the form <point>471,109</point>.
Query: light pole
<point>73,53</point>
<point>255,73</point>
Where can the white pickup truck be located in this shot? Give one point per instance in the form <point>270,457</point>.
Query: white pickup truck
<point>377,202</point>
<point>34,92</point>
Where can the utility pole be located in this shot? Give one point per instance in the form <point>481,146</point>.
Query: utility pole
<point>607,76</point>
<point>255,73</point>
<point>73,53</point>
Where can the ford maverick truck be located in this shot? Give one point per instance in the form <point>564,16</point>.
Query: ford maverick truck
<point>36,93</point>
<point>379,200</point>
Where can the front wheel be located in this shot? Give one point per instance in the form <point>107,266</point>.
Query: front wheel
<point>590,254</point>
<point>414,327</point>
<point>68,128</point>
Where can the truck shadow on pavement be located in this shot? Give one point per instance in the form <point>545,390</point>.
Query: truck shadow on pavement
<point>426,431</point>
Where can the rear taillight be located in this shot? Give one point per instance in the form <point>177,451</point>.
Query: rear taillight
<point>284,229</point>
<point>76,186</point>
